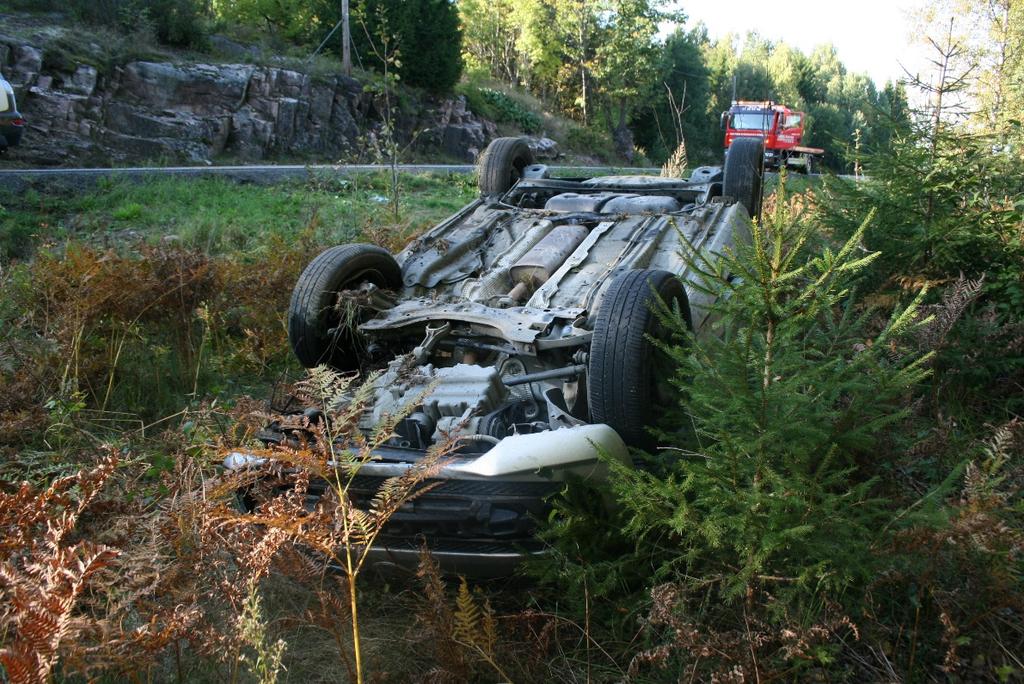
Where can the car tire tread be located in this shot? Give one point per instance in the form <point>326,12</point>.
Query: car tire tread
<point>744,171</point>
<point>619,381</point>
<point>497,162</point>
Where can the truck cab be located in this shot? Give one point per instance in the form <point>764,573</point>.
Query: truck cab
<point>780,127</point>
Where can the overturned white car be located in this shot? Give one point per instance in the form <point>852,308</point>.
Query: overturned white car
<point>529,317</point>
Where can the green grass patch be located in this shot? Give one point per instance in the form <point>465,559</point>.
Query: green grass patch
<point>220,216</point>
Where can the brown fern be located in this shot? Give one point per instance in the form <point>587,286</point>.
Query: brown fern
<point>944,315</point>
<point>42,576</point>
<point>438,619</point>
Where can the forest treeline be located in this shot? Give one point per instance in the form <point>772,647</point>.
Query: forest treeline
<point>611,67</point>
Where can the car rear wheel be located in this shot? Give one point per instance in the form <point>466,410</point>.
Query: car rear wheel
<point>502,164</point>
<point>628,374</point>
<point>744,170</point>
<point>321,325</point>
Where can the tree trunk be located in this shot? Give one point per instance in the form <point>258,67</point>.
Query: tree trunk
<point>583,64</point>
<point>621,134</point>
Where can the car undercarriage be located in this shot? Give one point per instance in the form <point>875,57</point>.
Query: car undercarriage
<point>522,333</point>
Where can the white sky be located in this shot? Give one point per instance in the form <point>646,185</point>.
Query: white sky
<point>871,36</point>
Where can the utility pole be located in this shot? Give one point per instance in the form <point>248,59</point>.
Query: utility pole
<point>346,40</point>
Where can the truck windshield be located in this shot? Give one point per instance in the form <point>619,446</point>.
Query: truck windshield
<point>759,121</point>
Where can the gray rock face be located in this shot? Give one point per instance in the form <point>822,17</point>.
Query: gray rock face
<point>457,132</point>
<point>28,61</point>
<point>83,81</point>
<point>156,111</point>
<point>544,148</point>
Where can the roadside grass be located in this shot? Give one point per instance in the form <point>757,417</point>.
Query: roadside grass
<point>796,183</point>
<point>219,216</point>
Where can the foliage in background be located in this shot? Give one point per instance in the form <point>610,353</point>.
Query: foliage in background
<point>990,40</point>
<point>182,23</point>
<point>603,64</point>
<point>949,207</point>
<point>592,140</point>
<point>304,21</point>
<point>425,33</point>
<point>598,62</point>
<point>841,106</point>
<point>683,73</point>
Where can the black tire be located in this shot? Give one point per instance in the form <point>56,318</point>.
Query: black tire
<point>744,170</point>
<point>313,312</point>
<point>502,164</point>
<point>624,364</point>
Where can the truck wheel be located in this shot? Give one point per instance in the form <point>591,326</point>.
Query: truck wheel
<point>320,329</point>
<point>744,169</point>
<point>502,164</point>
<point>627,375</point>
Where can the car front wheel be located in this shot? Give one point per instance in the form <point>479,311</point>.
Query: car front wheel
<point>322,320</point>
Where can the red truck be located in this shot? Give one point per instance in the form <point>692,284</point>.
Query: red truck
<point>781,128</point>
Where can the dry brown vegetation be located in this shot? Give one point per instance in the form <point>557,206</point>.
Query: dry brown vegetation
<point>128,332</point>
<point>97,581</point>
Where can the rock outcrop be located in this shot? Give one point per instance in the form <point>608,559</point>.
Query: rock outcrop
<point>147,111</point>
<point>544,148</point>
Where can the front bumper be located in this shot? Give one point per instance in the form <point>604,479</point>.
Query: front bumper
<point>480,515</point>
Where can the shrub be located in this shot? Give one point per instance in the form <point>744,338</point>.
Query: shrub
<point>99,579</point>
<point>760,517</point>
<point>302,21</point>
<point>174,22</point>
<point>497,106</point>
<point>143,330</point>
<point>476,102</point>
<point>772,487</point>
<point>951,599</point>
<point>590,140</point>
<point>426,34</point>
<point>948,205</point>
